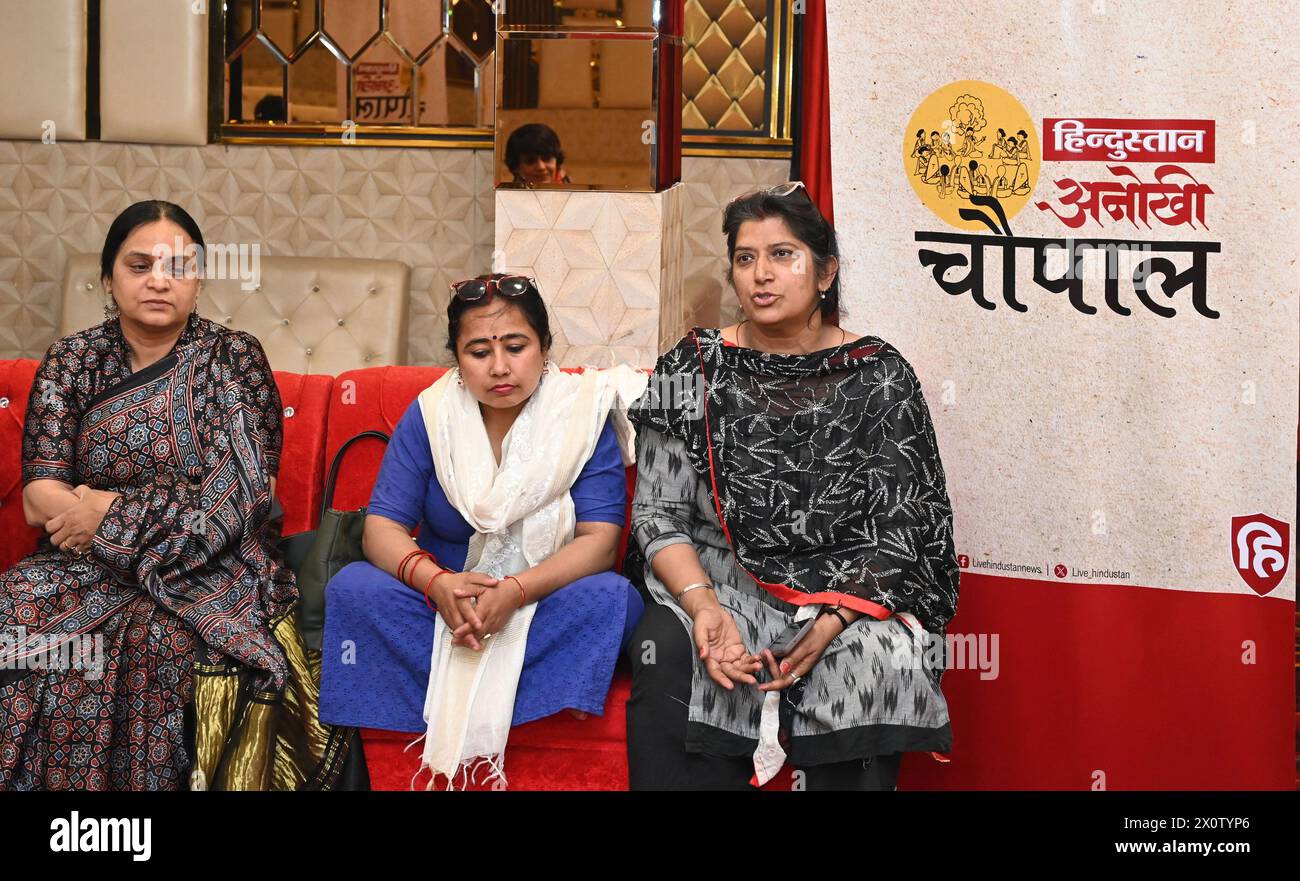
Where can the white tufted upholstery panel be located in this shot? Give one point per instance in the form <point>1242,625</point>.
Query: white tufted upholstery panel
<point>43,68</point>
<point>311,314</point>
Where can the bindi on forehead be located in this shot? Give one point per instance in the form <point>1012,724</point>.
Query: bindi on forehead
<point>504,324</point>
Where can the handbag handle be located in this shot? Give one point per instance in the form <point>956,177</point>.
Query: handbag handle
<point>328,498</point>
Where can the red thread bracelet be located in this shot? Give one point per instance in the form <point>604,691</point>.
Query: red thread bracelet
<point>429,586</point>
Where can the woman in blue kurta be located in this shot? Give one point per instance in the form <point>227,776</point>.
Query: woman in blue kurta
<point>379,629</point>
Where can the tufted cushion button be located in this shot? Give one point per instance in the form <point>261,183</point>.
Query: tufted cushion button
<point>257,287</point>
<point>374,290</point>
<point>4,403</point>
<point>369,357</point>
<point>89,286</point>
<point>309,350</point>
<point>288,412</point>
<point>284,321</point>
<point>315,289</point>
<point>340,322</point>
<point>228,319</point>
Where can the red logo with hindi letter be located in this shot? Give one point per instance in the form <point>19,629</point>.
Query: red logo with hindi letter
<point>1261,547</point>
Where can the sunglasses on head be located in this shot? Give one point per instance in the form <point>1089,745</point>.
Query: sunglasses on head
<point>780,190</point>
<point>472,289</point>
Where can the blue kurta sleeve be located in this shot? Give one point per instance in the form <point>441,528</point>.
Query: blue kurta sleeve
<point>600,492</point>
<point>404,476</point>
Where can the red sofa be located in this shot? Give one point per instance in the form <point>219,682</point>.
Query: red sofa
<point>321,413</point>
<point>1086,652</point>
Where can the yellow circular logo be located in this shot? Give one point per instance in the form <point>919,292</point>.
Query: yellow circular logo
<point>971,139</point>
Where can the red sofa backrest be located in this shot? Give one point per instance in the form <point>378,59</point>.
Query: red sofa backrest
<point>320,413</point>
<point>371,399</point>
<point>302,456</point>
<point>375,398</point>
<point>17,539</point>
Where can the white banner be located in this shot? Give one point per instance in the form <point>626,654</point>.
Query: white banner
<point>1134,421</point>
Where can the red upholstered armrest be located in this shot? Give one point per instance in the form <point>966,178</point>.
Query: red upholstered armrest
<point>306,401</point>
<point>17,539</point>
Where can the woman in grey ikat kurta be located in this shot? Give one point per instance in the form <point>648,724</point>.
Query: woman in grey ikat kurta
<point>792,511</point>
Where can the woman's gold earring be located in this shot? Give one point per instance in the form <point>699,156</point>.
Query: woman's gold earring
<point>110,309</point>
<point>460,380</point>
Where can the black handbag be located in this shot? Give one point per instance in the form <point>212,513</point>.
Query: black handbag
<point>317,555</point>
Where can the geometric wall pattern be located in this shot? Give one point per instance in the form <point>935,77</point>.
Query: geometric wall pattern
<point>707,186</point>
<point>433,209</point>
<point>608,266</point>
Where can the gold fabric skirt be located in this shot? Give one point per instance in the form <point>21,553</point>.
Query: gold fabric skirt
<point>264,740</point>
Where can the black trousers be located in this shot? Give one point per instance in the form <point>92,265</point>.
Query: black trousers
<point>661,654</point>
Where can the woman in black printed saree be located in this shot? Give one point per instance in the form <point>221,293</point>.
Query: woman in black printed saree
<point>792,511</point>
<point>147,643</point>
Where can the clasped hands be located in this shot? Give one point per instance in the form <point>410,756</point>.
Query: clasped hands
<point>728,662</point>
<point>474,605</point>
<point>74,529</point>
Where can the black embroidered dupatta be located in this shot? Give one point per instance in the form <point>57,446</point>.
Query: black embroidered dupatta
<point>823,469</point>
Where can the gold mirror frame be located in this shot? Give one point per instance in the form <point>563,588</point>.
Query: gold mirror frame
<point>774,142</point>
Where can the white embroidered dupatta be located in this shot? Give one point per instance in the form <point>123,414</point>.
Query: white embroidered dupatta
<point>521,513</point>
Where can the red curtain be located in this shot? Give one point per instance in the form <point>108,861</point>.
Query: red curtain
<point>812,110</point>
